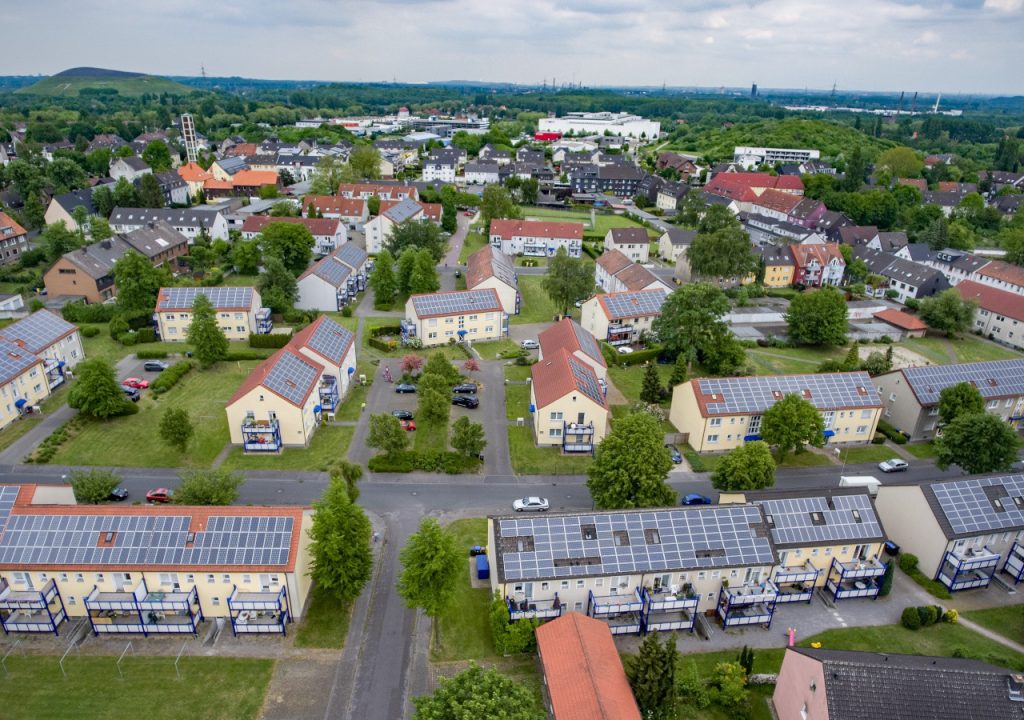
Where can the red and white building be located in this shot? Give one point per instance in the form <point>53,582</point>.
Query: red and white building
<point>536,238</point>
<point>817,264</point>
<point>735,185</point>
<point>328,234</point>
<point>351,211</point>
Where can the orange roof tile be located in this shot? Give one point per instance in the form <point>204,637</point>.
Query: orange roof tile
<point>259,375</point>
<point>507,229</point>
<point>612,261</point>
<point>566,334</point>
<point>778,201</point>
<point>192,172</point>
<point>346,207</point>
<point>637,277</point>
<point>1004,271</point>
<point>559,374</point>
<point>214,184</point>
<point>7,222</point>
<point>254,178</point>
<point>900,319</point>
<point>316,226</point>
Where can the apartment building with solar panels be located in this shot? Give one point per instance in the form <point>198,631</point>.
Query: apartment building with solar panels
<point>454,316</point>
<point>911,395</point>
<point>148,570</point>
<point>622,318</point>
<point>237,311</point>
<point>719,414</point>
<point>965,533</point>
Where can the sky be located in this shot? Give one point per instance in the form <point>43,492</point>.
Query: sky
<point>952,46</point>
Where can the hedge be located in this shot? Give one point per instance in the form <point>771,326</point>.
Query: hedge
<point>151,354</point>
<point>386,330</point>
<point>77,312</point>
<point>90,331</point>
<point>170,377</point>
<point>892,433</point>
<point>590,249</point>
<point>382,345</point>
<point>637,357</point>
<point>274,340</point>
<point>242,355</point>
<point>427,461</point>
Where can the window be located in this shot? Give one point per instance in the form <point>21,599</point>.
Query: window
<point>225,579</point>
<point>715,422</point>
<point>580,584</point>
<point>63,577</point>
<point>211,578</point>
<point>755,425</point>
<point>814,552</point>
<point>565,584</point>
<point>993,405</point>
<point>216,601</point>
<point>556,416</point>
<point>544,586</point>
<point>702,575</point>
<point>829,418</point>
<point>861,429</point>
<point>712,439</point>
<point>247,579</point>
<point>190,579</point>
<point>599,582</point>
<point>555,432</point>
<point>79,577</point>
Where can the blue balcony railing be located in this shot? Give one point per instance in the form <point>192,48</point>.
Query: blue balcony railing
<point>1014,565</point>
<point>747,604</point>
<point>259,612</point>
<point>968,569</point>
<point>623,613</point>
<point>856,579</point>
<point>31,610</point>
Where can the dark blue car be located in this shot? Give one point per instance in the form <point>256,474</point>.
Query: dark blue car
<point>695,499</point>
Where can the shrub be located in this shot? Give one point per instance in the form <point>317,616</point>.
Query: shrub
<point>639,357</point>
<point>385,330</point>
<point>346,311</point>
<point>118,326</point>
<point>274,340</point>
<point>961,652</point>
<point>382,345</point>
<point>908,562</point>
<point>151,354</point>
<point>242,355</point>
<point>145,335</point>
<point>886,586</point>
<point>90,331</point>
<point>402,463</point>
<point>951,616</point>
<point>170,377</point>
<point>912,304</point>
<point>128,339</point>
<point>927,614</point>
<point>428,461</point>
<point>77,312</point>
<point>892,433</point>
<point>910,619</point>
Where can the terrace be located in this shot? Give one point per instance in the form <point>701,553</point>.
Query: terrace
<point>577,437</point>
<point>861,578</point>
<point>796,584</point>
<point>968,568</point>
<point>623,613</point>
<point>535,248</point>
<point>1014,565</point>
<point>259,612</point>
<point>521,607</point>
<point>261,435</point>
<point>329,397</point>
<point>665,610</point>
<point>31,610</point>
<point>264,323</point>
<point>140,611</point>
<point>747,604</point>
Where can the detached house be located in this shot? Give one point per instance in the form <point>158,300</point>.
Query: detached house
<point>907,279</point>
<point>634,243</point>
<point>535,238</point>
<point>674,242</point>
<point>237,310</point>
<point>378,229</point>
<point>622,318</point>
<point>13,240</point>
<point>327,234</point>
<point>62,207</point>
<point>129,168</point>
<point>491,268</point>
<point>190,222</point>
<point>817,264</point>
<point>566,334</point>
<point>459,315</point>
<point>615,273</point>
<point>568,403</point>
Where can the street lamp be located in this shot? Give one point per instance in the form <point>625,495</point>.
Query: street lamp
<point>839,452</point>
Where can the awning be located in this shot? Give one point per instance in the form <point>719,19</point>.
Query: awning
<point>20,402</point>
<point>317,408</point>
<point>751,438</point>
<point>829,433</point>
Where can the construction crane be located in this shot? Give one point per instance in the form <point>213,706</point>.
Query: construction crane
<point>936,108</point>
<point>899,108</point>
<point>913,103</point>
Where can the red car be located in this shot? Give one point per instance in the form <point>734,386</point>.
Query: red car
<point>159,495</point>
<point>137,383</point>
<point>407,424</point>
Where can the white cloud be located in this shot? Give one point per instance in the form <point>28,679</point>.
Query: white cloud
<point>709,40</point>
<point>1004,6</point>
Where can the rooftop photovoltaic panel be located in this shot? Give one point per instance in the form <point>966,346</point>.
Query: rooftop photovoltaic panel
<point>14,360</point>
<point>586,341</point>
<point>621,543</point>
<point>332,271</point>
<point>352,255</point>
<point>792,521</point>
<point>403,211</point>
<point>586,380</point>
<point>458,302</point>
<point>728,396</point>
<point>181,298</point>
<point>8,494</point>
<point>981,505</point>
<point>38,331</point>
<point>634,304</point>
<point>331,340</point>
<point>291,377</point>
<point>998,378</point>
<point>58,540</point>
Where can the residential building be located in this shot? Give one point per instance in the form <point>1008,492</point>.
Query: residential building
<point>999,315</point>
<point>634,243</point>
<point>491,268</point>
<point>190,222</point>
<point>378,229</point>
<point>955,265</point>
<point>62,207</point>
<point>637,570</point>
<point>828,540</point>
<point>750,157</point>
<point>911,395</point>
<point>459,315</point>
<point>772,231</point>
<point>160,243</point>
<point>536,238</point>
<point>51,338</point>
<point>906,279</point>
<point>685,165</point>
<point>194,177</point>
<point>737,185</point>
<point>1001,275</point>
<point>174,189</point>
<point>622,318</point>
<point>601,123</point>
<point>351,211</point>
<point>23,381</point>
<point>615,273</point>
<point>149,569</point>
<point>381,190</point>
<point>301,167</point>
<point>13,240</point>
<point>670,194</point>
<point>945,201</point>
<point>674,242</point>
<point>441,165</point>
<point>568,403</point>
<point>237,309</point>
<point>288,395</point>
<point>129,168</point>
<point>12,305</point>
<point>333,282</point>
<point>817,264</point>
<point>719,414</point>
<point>244,183</point>
<point>226,168</point>
<point>964,532</point>
<point>828,684</point>
<point>779,266</point>
<point>328,234</point>
<point>618,179</point>
<point>909,325</point>
<point>568,335</point>
<point>482,173</point>
<point>582,677</point>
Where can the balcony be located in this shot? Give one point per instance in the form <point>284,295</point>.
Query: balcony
<point>664,610</point>
<point>521,607</point>
<point>861,578</point>
<point>620,334</point>
<point>796,584</point>
<point>31,610</point>
<point>747,604</point>
<point>408,330</point>
<point>259,612</point>
<point>623,613</point>
<point>142,612</point>
<point>968,569</point>
<point>577,437</point>
<point>329,399</point>
<point>264,323</point>
<point>1014,565</point>
<point>261,435</point>
<point>54,370</point>
<point>536,249</point>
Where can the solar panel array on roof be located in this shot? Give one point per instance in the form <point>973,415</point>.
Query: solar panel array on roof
<point>456,303</point>
<point>14,360</point>
<point>998,378</point>
<point>332,272</point>
<point>851,517</point>
<point>352,255</point>
<point>728,396</point>
<point>291,378</point>
<point>631,542</point>
<point>331,340</point>
<point>404,210</point>
<point>8,494</point>
<point>38,331</point>
<point>970,508</point>
<point>181,298</point>
<point>586,341</point>
<point>634,304</point>
<point>586,380</point>
<point>58,540</point>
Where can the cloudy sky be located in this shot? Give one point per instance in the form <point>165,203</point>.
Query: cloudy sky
<point>949,46</point>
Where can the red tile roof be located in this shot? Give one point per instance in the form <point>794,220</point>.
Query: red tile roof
<point>507,229</point>
<point>241,150</point>
<point>213,183</point>
<point>583,672</point>
<point>637,277</point>
<point>301,339</point>
<point>992,299</point>
<point>612,261</point>
<point>920,183</point>
<point>7,222</point>
<point>553,378</point>
<point>192,172</point>
<point>566,334</point>
<point>392,191</point>
<point>778,201</point>
<point>900,319</point>
<point>432,211</point>
<point>259,374</point>
<point>803,254</point>
<point>734,185</point>
<point>635,236</point>
<point>1004,271</point>
<point>317,226</point>
<point>480,266</point>
<point>255,178</point>
<point>346,207</point>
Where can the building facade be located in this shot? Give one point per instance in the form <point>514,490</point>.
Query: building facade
<point>237,310</point>
<point>454,316</point>
<point>622,318</point>
<point>333,282</point>
<point>535,238</point>
<point>999,315</point>
<point>568,404</point>
<point>13,240</point>
<point>491,268</point>
<point>631,242</point>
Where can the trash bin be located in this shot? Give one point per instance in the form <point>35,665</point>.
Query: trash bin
<point>483,568</point>
<point>892,548</point>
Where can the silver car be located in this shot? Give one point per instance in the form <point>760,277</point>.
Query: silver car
<point>893,465</point>
<point>529,345</point>
<point>530,503</point>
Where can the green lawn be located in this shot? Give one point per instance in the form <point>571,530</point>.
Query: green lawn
<point>1007,620</point>
<point>804,459</point>
<point>474,241</point>
<point>865,454</point>
<point>429,435</point>
<point>329,444</point>
<point>464,631</point>
<point>536,306</point>
<point>367,353</point>
<point>494,348</point>
<point>352,404</point>
<point>601,227</point>
<point>349,323</point>
<point>325,624</point>
<point>517,401</point>
<point>235,280</point>
<point>135,440</point>
<point>925,450</point>
<point>782,361</point>
<point>18,428</point>
<point>528,459</point>
<point>629,380</point>
<point>105,347</point>
<point>932,349</point>
<point>966,348</point>
<point>212,688</point>
<point>518,372</point>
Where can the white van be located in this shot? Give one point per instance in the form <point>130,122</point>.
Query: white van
<point>860,481</point>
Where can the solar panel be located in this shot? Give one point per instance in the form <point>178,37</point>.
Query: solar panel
<point>998,378</point>
<point>586,380</point>
<point>182,298</point>
<point>586,341</point>
<point>793,524</point>
<point>404,210</point>
<point>38,331</point>
<point>14,360</point>
<point>634,304</point>
<point>332,271</point>
<point>458,302</point>
<point>8,494</point>
<point>352,255</point>
<point>728,396</point>
<point>292,377</point>
<point>331,340</point>
<point>982,505</point>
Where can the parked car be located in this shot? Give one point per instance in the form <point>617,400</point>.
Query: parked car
<point>458,273</point>
<point>407,424</point>
<point>893,465</point>
<point>402,414</point>
<point>529,345</point>
<point>136,383</point>
<point>469,213</point>
<point>677,457</point>
<point>695,499</point>
<point>132,393</point>
<point>405,388</point>
<point>466,401</point>
<point>465,389</point>
<point>538,504</point>
<point>155,366</point>
<point>625,350</point>
<point>159,495</point>
<point>118,494</point>
<point>475,550</point>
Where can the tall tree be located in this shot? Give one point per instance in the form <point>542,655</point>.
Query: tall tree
<point>157,155</point>
<point>138,282</point>
<point>103,201</point>
<point>652,675</point>
<point>901,162</point>
<point>431,567</point>
<point>495,203</point>
<point>417,235</point>
<point>631,466</point>
<point>382,280</point>
<point>215,486</point>
<point>817,318</point>
<point>449,215</point>
<point>948,312</point>
<point>204,334</point>
<point>748,467</point>
<point>477,693</point>
<point>977,443</point>
<point>958,400</point>
<point>406,264</point>
<point>176,428</point>
<point>65,175</point>
<point>468,437</point>
<point>125,194</point>
<point>99,228</point>
<point>246,256</point>
<point>386,435</point>
<point>650,390</point>
<point>364,162</point>
<point>92,487</point>
<point>278,287</point>
<point>149,192</point>
<point>96,392</point>
<point>423,278</point>
<point>342,560</point>
<point>691,319</point>
<point>567,280</point>
<point>722,255</point>
<point>791,423</point>
<point>715,218</point>
<point>327,176</point>
<point>56,240</point>
<point>292,243</point>
<point>853,179</point>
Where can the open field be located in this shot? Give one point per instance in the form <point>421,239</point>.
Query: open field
<point>329,444</point>
<point>536,306</point>
<point>105,347</point>
<point>325,624</point>
<point>865,454</point>
<point>127,85</point>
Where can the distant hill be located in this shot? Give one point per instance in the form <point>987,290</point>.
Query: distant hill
<point>71,83</point>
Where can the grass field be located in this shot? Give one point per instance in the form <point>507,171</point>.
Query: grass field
<point>129,85</point>
<point>781,361</point>
<point>464,631</point>
<point>924,450</point>
<point>966,348</point>
<point>1008,620</point>
<point>325,624</point>
<point>629,380</point>
<point>603,223</point>
<point>493,349</point>
<point>235,280</point>
<point>209,688</point>
<point>865,454</point>
<point>329,444</point>
<point>536,306</point>
<point>518,372</point>
<point>517,401</point>
<point>135,440</point>
<point>367,353</point>
<point>528,459</point>
<point>429,435</point>
<point>18,429</point>
<point>105,347</point>
<point>475,240</point>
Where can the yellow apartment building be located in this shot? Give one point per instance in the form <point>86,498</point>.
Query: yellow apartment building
<point>568,335</point>
<point>779,267</point>
<point>23,381</point>
<point>491,268</point>
<point>455,316</point>
<point>622,318</point>
<point>237,310</point>
<point>568,404</point>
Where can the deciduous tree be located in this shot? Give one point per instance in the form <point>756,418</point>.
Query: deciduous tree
<point>93,486</point>
<point>56,239</point>
<point>818,318</point>
<point>404,268</point>
<point>477,693</point>
<point>631,466</point>
<point>468,437</point>
<point>208,487</point>
<point>246,256</point>
<point>277,286</point>
<point>748,467</point>
<point>292,243</point>
<point>901,162</point>
<point>364,163</point>
<point>157,155</point>
<point>124,194</point>
<point>386,434</point>
<point>138,282</point>
<point>176,428</point>
<point>342,560</point>
<point>423,278</point>
<point>958,400</point>
<point>791,423</point>
<point>425,235</point>
<point>204,334</point>
<point>977,443</point>
<point>382,280</point>
<point>65,175</point>
<point>567,280</point>
<point>691,319</point>
<point>327,176</point>
<point>497,203</point>
<point>431,566</point>
<point>948,312</point>
<point>722,255</point>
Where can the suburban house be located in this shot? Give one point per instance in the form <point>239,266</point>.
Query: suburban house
<point>719,414</point>
<point>23,382</point>
<point>226,168</point>
<point>351,211</point>
<point>615,273</point>
<point>674,242</point>
<point>288,395</point>
<point>383,191</point>
<point>190,222</point>
<point>566,334</point>
<point>194,176</point>
<point>906,279</point>
<point>327,234</point>
<point>1000,314</point>
<point>779,266</point>
<point>244,183</point>
<point>174,189</point>
<point>13,240</point>
<point>454,316</point>
<point>568,403</point>
<point>670,195</point>
<point>237,310</point>
<point>159,242</point>
<point>378,229</point>
<point>441,165</point>
<point>817,264</point>
<point>581,674</point>
<point>964,532</point>
<point>636,570</point>
<point>911,395</point>
<point>50,337</point>
<point>491,268</point>
<point>62,207</point>
<point>956,265</point>
<point>536,238</point>
<point>149,569</point>
<point>622,318</point>
<point>334,281</point>
<point>129,168</point>
<point>830,685</point>
<point>772,231</point>
<point>634,243</point>
<point>828,540</point>
<point>618,179</point>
